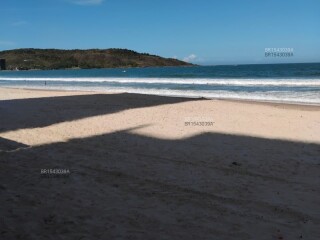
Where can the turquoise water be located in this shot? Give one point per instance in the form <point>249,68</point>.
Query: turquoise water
<point>296,83</point>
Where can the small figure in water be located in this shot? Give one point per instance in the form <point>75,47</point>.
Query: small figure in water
<point>45,83</point>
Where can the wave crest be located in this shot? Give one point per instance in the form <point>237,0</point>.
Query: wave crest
<point>185,81</point>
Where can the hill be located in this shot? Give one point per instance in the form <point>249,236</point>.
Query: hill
<point>45,59</point>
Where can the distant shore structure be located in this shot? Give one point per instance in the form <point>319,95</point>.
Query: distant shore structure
<point>2,64</point>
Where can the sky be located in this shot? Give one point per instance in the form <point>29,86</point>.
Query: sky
<point>204,32</point>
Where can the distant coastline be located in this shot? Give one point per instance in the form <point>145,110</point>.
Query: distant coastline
<point>53,59</point>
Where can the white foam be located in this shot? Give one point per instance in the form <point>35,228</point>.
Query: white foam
<point>289,97</point>
<point>271,96</point>
<point>198,81</point>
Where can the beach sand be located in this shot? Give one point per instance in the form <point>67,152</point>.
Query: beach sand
<point>152,167</point>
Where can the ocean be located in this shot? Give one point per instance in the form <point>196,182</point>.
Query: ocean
<point>290,83</point>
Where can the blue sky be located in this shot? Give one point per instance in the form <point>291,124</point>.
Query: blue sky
<point>200,31</point>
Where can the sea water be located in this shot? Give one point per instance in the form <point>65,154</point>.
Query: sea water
<point>291,83</point>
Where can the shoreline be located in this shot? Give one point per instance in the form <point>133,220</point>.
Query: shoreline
<point>249,101</point>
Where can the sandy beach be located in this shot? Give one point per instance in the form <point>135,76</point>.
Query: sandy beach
<point>152,167</point>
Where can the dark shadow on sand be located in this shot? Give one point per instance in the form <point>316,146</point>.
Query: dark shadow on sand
<point>40,112</point>
<point>9,145</point>
<point>127,186</point>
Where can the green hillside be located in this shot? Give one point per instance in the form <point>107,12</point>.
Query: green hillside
<point>46,59</point>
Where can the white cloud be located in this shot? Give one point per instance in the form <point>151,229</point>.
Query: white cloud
<point>190,58</point>
<point>19,23</point>
<point>87,2</point>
